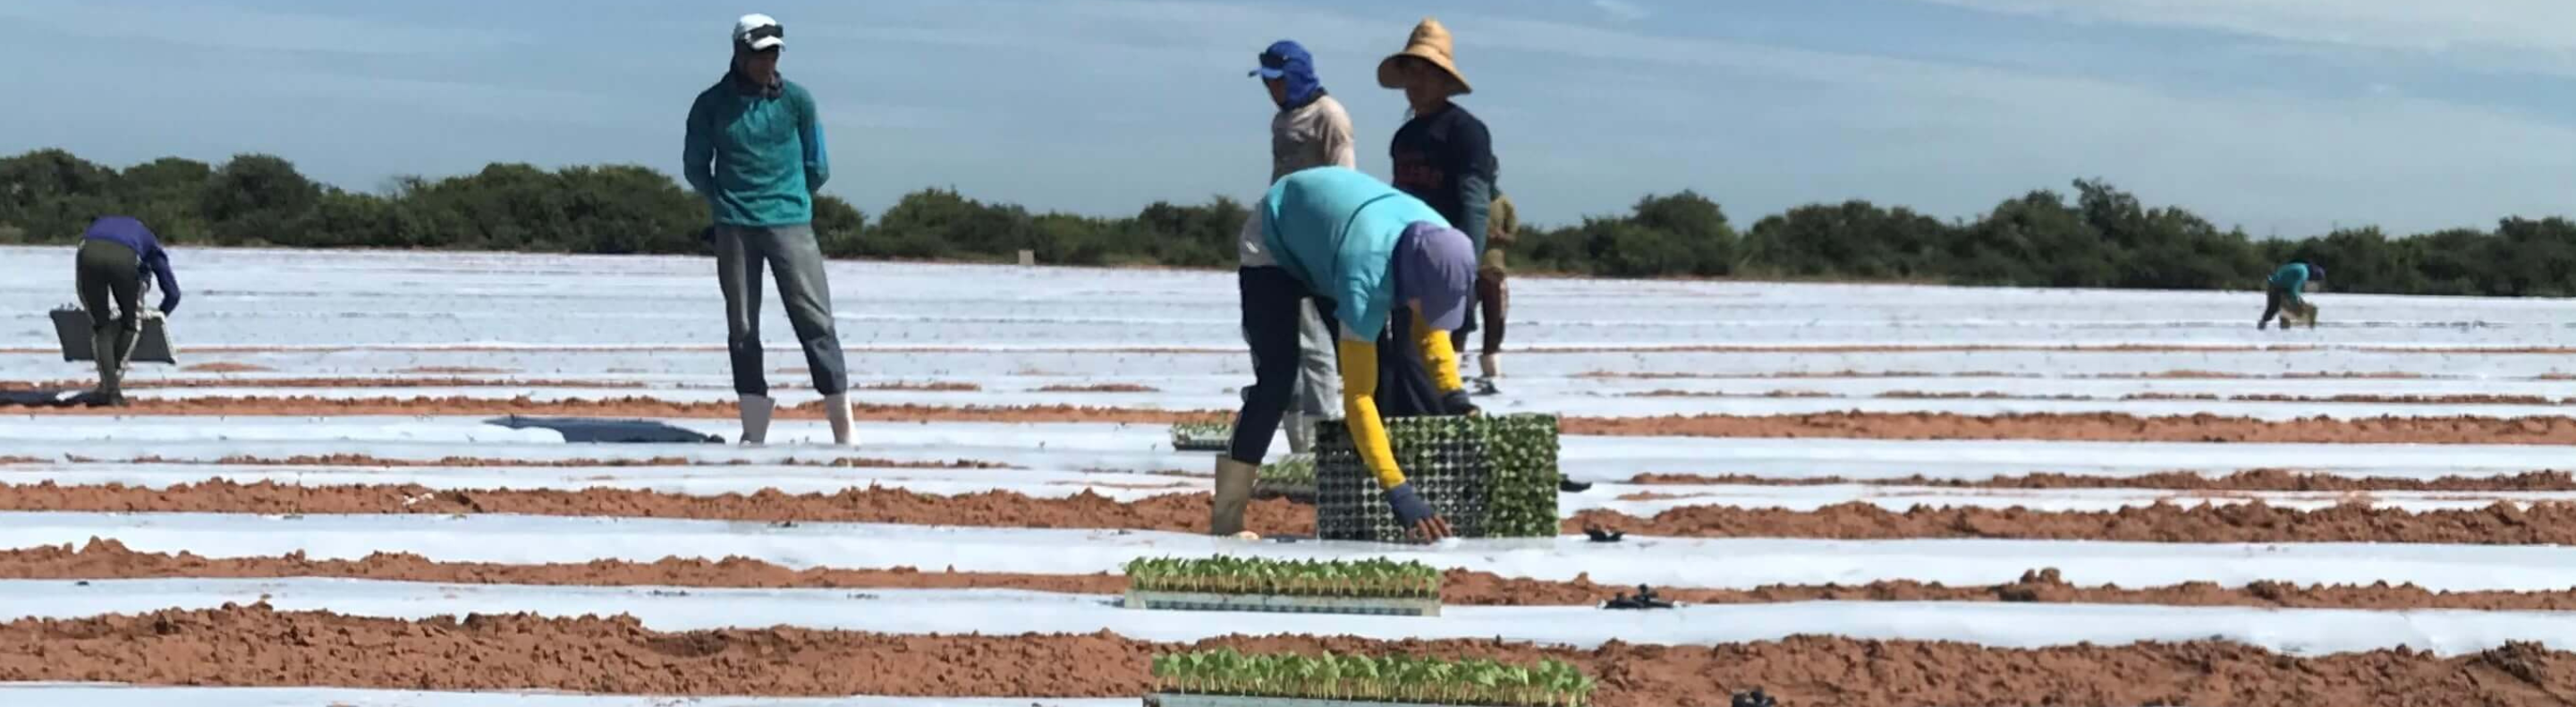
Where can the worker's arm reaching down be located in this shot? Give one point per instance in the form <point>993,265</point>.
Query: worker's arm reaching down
<point>1358,364</point>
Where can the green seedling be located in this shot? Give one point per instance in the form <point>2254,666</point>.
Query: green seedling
<point>1403,679</point>
<point>1356,579</point>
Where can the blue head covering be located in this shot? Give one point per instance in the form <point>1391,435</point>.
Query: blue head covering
<point>1287,60</point>
<point>1435,264</point>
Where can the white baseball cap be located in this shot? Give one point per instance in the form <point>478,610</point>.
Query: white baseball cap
<point>759,32</point>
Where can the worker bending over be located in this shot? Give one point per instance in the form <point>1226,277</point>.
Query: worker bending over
<point>115,253</point>
<point>2282,292</point>
<point>1395,279</point>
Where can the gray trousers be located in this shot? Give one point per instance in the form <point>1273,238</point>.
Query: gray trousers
<point>1317,389</point>
<point>791,253</point>
<point>1319,384</point>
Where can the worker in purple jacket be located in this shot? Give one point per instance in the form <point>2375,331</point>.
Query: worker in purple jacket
<point>115,253</point>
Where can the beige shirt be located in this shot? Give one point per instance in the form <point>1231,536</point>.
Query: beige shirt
<point>1316,135</point>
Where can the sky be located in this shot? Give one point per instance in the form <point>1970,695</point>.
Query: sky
<point>2283,117</point>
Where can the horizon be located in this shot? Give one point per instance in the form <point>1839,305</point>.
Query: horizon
<point>2265,115</point>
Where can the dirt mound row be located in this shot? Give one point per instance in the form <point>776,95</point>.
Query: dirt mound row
<point>474,462</point>
<point>417,382</point>
<point>2250,480</point>
<point>2254,522</point>
<point>2160,375</point>
<point>259,646</point>
<point>334,382</point>
<point>2107,427</point>
<point>635,406</point>
<point>2500,524</point>
<point>1101,388</point>
<point>2101,427</point>
<point>2485,399</point>
<point>1182,512</point>
<point>108,559</point>
<point>2479,399</point>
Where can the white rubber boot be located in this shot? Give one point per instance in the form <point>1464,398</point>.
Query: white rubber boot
<point>1491,365</point>
<point>836,407</point>
<point>755,418</point>
<point>1301,432</point>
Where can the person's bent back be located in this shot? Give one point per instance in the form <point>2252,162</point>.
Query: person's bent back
<point>115,255</point>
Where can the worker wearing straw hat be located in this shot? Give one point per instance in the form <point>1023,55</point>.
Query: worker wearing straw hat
<point>1395,279</point>
<point>1443,155</point>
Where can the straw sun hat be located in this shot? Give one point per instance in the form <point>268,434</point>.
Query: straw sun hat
<point>1430,42</point>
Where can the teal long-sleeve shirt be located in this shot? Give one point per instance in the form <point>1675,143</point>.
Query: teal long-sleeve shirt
<point>2291,277</point>
<point>756,155</point>
<point>1334,230</point>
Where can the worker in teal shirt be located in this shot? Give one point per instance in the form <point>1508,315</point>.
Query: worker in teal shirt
<point>1395,279</point>
<point>2282,292</point>
<point>755,151</point>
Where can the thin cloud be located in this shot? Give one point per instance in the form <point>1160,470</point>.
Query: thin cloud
<point>209,25</point>
<point>1622,9</point>
<point>2533,25</point>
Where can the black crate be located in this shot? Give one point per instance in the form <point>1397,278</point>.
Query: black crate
<point>1491,477</point>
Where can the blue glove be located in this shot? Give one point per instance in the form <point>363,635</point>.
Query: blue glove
<point>1457,403</point>
<point>1409,507</point>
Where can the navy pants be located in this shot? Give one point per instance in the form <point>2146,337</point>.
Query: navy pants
<point>1270,300</point>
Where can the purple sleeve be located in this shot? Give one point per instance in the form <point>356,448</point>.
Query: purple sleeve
<point>159,263</point>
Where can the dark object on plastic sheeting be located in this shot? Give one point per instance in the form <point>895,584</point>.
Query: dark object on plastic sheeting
<point>71,330</point>
<point>581,430</point>
<point>1645,599</point>
<point>1754,698</point>
<point>1572,486</point>
<point>1604,535</point>
<point>44,398</point>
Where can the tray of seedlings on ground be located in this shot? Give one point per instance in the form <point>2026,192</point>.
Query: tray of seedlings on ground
<point>1202,436</point>
<point>1225,678</point>
<point>1491,476</point>
<point>1376,587</point>
<point>1292,478</point>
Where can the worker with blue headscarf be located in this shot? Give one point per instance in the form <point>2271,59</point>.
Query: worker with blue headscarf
<point>1395,279</point>
<point>1310,130</point>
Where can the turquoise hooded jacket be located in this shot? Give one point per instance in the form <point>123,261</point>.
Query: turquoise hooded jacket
<point>1334,230</point>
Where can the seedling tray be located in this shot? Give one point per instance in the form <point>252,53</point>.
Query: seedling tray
<point>1164,700</point>
<point>1202,437</point>
<point>1491,477</point>
<point>1279,604</point>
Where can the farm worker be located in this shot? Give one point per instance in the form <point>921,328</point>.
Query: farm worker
<point>755,151</point>
<point>1493,290</point>
<point>1310,130</point>
<point>115,253</point>
<point>1394,278</point>
<point>1443,155</point>
<point>2282,292</point>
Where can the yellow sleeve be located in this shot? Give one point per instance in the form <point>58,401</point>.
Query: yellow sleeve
<point>1437,356</point>
<point>1358,361</point>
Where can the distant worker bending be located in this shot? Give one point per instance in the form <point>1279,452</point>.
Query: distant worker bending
<point>2282,293</point>
<point>755,151</point>
<point>115,253</point>
<point>1395,279</point>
